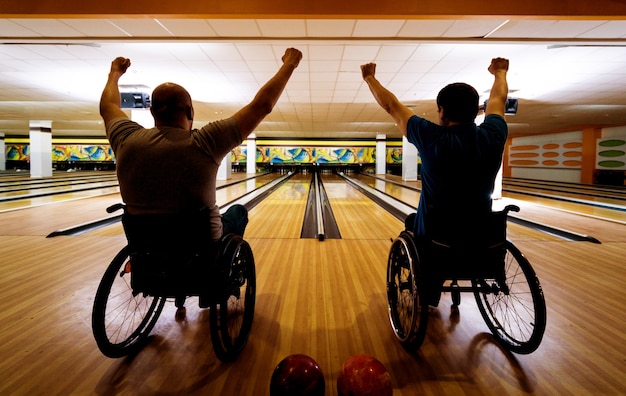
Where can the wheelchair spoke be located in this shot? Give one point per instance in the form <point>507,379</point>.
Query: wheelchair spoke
<point>405,313</point>
<point>516,313</point>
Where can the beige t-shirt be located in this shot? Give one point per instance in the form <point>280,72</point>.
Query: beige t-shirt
<point>170,170</point>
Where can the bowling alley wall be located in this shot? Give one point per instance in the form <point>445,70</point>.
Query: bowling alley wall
<point>586,156</point>
<point>97,153</point>
<point>595,155</point>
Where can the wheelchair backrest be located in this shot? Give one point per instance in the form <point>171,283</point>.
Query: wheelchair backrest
<point>478,252</point>
<point>171,255</point>
<point>169,234</point>
<point>469,230</point>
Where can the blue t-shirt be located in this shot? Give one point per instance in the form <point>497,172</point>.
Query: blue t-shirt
<point>459,166</point>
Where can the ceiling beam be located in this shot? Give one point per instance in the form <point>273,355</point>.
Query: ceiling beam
<point>332,9</point>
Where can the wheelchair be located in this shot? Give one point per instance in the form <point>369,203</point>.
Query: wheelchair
<point>160,263</point>
<point>504,284</point>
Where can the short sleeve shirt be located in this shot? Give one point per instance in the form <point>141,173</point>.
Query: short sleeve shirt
<point>168,170</point>
<point>459,166</point>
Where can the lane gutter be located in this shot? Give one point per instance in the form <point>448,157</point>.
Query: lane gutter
<point>319,221</point>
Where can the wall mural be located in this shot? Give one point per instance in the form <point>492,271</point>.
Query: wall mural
<point>17,152</point>
<point>286,155</point>
<point>79,152</point>
<point>322,155</point>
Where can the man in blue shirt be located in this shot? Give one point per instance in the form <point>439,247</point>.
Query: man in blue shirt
<point>460,160</point>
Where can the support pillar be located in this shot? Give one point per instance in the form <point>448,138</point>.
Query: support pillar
<point>409,160</point>
<point>40,148</point>
<point>3,155</point>
<point>224,172</point>
<point>251,154</point>
<point>381,154</point>
<point>588,168</point>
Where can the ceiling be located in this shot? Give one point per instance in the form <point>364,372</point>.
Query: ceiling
<point>566,73</point>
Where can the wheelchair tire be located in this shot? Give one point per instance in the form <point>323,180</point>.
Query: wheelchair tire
<point>517,316</point>
<point>408,307</point>
<point>122,320</point>
<point>232,314</point>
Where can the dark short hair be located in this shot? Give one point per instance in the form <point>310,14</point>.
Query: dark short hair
<point>459,101</point>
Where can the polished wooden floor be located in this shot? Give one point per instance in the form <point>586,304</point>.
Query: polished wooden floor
<point>325,299</point>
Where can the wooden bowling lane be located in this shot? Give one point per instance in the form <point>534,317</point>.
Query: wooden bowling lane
<point>29,185</point>
<point>405,191</point>
<point>410,196</point>
<point>25,192</point>
<point>325,299</point>
<point>70,210</point>
<point>617,214</point>
<point>72,186</point>
<point>59,196</point>
<point>602,224</point>
<point>560,196</point>
<point>591,192</point>
<point>59,188</point>
<point>280,215</point>
<point>357,216</point>
<point>41,220</point>
<point>232,189</point>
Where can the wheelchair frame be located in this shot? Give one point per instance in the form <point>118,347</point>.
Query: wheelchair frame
<point>123,317</point>
<point>510,299</point>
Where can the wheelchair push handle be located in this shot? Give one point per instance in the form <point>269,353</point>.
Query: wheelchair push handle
<point>511,208</point>
<point>116,207</point>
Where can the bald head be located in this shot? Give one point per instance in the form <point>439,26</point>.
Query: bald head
<point>171,106</point>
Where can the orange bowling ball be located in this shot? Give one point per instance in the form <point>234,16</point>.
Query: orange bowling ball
<point>364,375</point>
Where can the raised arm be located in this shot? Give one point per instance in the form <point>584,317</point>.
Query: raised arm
<point>500,88</point>
<point>249,117</point>
<point>110,102</point>
<point>385,98</point>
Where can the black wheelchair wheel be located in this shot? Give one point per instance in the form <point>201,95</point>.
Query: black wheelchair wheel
<point>121,320</point>
<point>232,314</point>
<point>408,307</point>
<point>515,311</point>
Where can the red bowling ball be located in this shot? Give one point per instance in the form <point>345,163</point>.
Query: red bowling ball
<point>364,375</point>
<point>297,375</point>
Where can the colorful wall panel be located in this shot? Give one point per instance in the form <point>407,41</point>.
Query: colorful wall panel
<point>322,155</point>
<point>276,154</point>
<point>74,152</point>
<point>238,155</point>
<point>82,153</point>
<point>17,152</point>
<point>394,155</point>
<point>611,154</point>
<point>290,155</point>
<point>566,154</point>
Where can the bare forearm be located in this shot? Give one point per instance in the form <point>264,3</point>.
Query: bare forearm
<point>111,93</point>
<point>264,101</point>
<point>500,88</point>
<point>110,100</point>
<point>268,95</point>
<point>390,103</point>
<point>385,98</point>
